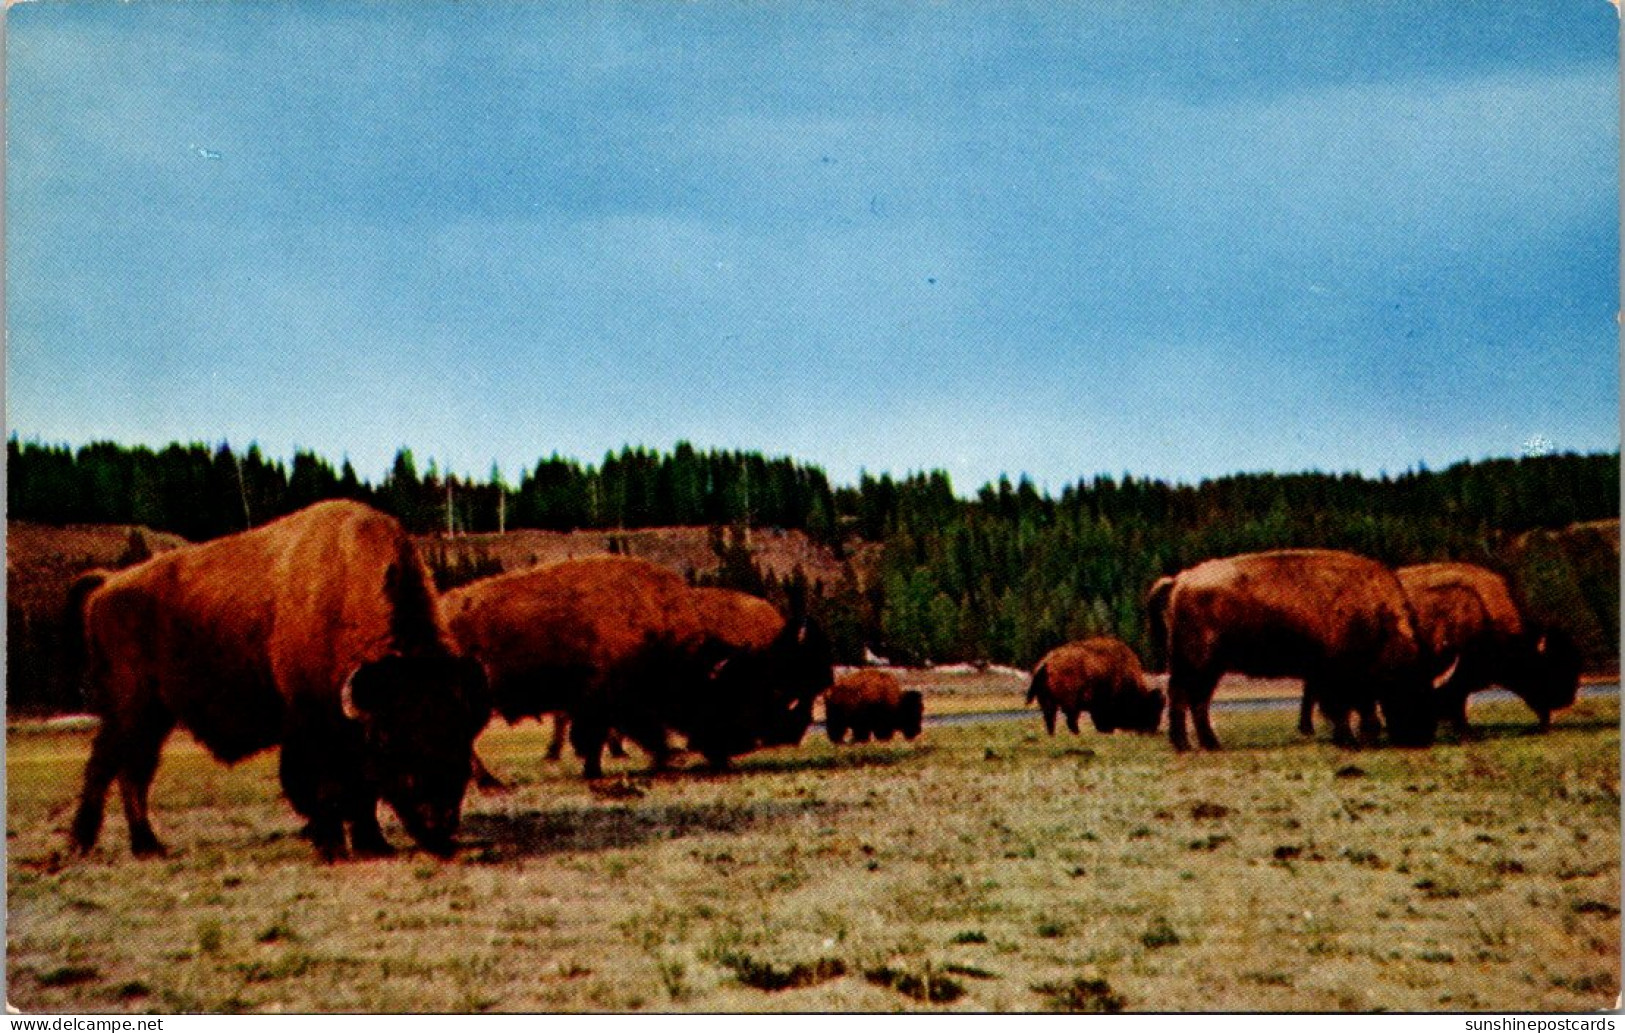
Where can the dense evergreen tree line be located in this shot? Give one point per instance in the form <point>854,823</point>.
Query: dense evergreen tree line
<point>1002,576</point>
<point>200,492</point>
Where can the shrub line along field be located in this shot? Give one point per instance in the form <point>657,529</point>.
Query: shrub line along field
<point>984,866</point>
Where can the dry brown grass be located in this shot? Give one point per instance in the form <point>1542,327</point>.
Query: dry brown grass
<point>982,867</point>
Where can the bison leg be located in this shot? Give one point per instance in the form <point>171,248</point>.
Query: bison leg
<point>1337,710</point>
<point>561,731</point>
<point>1370,723</point>
<point>1545,720</point>
<point>142,748</point>
<point>1306,712</point>
<point>1049,708</point>
<point>587,732</point>
<point>312,796</point>
<point>99,772</point>
<point>1189,690</point>
<point>366,838</point>
<point>1072,722</point>
<point>835,723</point>
<point>1204,725</point>
<point>484,780</point>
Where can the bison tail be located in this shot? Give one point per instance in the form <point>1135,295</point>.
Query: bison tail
<point>1039,683</point>
<point>1156,611</point>
<point>73,639</point>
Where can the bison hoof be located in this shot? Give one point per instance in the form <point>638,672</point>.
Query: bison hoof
<point>145,844</point>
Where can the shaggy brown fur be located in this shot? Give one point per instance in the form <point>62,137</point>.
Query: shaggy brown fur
<point>1339,621</point>
<point>620,642</point>
<point>738,618</point>
<point>318,632</point>
<point>574,637</point>
<point>1467,613</point>
<point>1101,676</point>
<point>873,703</point>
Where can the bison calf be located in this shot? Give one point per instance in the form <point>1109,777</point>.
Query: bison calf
<point>872,703</point>
<point>1098,675</point>
<point>318,633</point>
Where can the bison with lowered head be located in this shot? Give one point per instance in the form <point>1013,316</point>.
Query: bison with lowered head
<point>791,659</point>
<point>1340,622</point>
<point>619,643</point>
<point>318,633</point>
<point>741,624</point>
<point>1467,611</point>
<point>872,703</point>
<point>1098,675</point>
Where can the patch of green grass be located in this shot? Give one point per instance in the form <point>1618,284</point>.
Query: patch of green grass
<point>969,936</point>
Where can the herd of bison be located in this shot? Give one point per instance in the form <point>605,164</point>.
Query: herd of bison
<point>322,634</point>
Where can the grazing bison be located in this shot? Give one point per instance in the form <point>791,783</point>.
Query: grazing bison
<point>735,620</point>
<point>873,703</point>
<point>791,659</point>
<point>1100,675</point>
<point>1467,612</point>
<point>1340,622</point>
<point>619,643</point>
<point>318,633</point>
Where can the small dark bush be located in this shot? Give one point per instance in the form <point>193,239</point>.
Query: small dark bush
<point>1080,995</point>
<point>929,986</point>
<point>763,975</point>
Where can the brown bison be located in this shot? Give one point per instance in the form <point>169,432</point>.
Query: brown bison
<point>873,703</point>
<point>791,659</point>
<point>318,633</point>
<point>1340,622</point>
<point>1098,675</point>
<point>1467,612</point>
<point>619,643</point>
<point>734,619</point>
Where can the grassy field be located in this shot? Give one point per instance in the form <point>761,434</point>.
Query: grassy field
<point>982,867</point>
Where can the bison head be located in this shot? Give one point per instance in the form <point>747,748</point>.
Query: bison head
<point>773,689</point>
<point>1135,711</point>
<point>1545,670</point>
<point>1409,713</point>
<point>1144,713</point>
<point>910,713</point>
<point>419,716</point>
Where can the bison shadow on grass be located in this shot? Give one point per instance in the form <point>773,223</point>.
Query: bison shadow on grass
<point>533,833</point>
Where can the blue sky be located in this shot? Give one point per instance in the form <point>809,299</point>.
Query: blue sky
<point>1048,238</point>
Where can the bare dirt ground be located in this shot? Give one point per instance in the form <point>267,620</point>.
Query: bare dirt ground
<point>983,867</point>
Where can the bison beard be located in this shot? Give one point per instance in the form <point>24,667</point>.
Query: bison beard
<point>1338,621</point>
<point>317,633</point>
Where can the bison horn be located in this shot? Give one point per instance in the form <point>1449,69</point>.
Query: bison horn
<point>1450,672</point>
<point>347,698</point>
